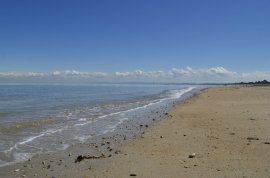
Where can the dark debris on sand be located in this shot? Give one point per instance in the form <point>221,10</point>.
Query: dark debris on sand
<point>81,157</point>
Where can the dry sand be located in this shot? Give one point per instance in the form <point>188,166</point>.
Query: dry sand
<point>227,128</point>
<point>218,125</point>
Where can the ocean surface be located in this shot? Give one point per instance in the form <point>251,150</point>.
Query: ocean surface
<point>47,118</point>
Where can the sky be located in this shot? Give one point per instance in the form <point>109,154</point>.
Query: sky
<point>134,40</point>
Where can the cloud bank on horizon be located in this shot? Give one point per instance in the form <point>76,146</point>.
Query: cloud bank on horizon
<point>175,75</point>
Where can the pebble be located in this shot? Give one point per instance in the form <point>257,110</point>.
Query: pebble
<point>133,175</point>
<point>252,138</point>
<point>161,136</point>
<point>192,155</point>
<point>17,170</point>
<point>43,162</point>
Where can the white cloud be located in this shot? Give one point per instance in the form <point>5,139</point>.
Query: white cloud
<point>188,74</point>
<point>78,74</point>
<point>21,74</point>
<point>182,72</point>
<point>221,71</point>
<point>122,74</point>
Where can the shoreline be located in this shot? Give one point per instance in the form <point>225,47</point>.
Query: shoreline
<point>103,146</point>
<point>227,128</point>
<point>218,132</point>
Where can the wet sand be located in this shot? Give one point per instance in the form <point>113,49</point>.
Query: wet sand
<point>221,132</point>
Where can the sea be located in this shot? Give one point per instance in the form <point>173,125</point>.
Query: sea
<point>37,118</point>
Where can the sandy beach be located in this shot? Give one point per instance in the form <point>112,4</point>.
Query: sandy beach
<point>226,128</point>
<point>147,89</point>
<point>220,132</point>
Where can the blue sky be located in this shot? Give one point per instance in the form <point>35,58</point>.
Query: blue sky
<point>124,36</point>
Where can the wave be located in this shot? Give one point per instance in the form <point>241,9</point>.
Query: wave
<point>110,120</point>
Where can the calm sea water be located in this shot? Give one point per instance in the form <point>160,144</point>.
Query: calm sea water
<point>31,116</point>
